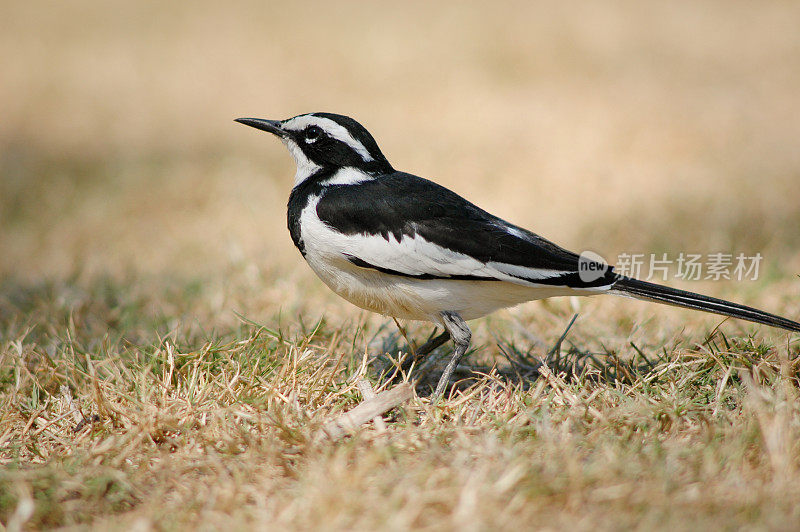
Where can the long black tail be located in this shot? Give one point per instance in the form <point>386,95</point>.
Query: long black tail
<point>681,298</point>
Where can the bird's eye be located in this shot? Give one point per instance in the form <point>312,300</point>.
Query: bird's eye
<point>312,134</point>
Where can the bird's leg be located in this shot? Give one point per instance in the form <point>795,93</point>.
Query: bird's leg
<point>461,334</point>
<point>424,350</point>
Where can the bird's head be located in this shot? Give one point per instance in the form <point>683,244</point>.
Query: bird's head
<point>325,141</point>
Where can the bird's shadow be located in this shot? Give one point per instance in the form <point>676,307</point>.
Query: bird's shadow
<point>518,365</point>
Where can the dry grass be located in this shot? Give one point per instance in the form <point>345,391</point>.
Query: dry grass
<point>117,417</point>
<point>166,362</point>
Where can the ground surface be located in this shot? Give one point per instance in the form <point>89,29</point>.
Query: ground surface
<point>167,360</point>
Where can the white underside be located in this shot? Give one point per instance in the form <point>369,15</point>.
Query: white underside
<point>326,251</point>
<point>423,299</point>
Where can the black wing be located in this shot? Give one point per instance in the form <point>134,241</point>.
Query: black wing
<point>403,205</point>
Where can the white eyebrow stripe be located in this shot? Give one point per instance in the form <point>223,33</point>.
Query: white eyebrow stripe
<point>331,128</point>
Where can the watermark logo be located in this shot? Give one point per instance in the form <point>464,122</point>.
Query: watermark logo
<point>683,266</point>
<point>690,266</point>
<point>591,266</point>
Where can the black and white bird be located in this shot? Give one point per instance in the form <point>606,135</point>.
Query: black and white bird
<point>403,246</point>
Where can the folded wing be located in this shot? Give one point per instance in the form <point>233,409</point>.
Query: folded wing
<point>416,228</point>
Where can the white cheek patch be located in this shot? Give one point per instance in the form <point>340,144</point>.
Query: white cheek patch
<point>305,166</point>
<point>332,129</point>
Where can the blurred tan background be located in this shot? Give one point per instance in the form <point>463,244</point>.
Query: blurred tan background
<point>611,126</point>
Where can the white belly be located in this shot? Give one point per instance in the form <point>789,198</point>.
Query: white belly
<point>422,299</point>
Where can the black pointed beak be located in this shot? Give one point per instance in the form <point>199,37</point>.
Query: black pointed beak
<point>273,126</point>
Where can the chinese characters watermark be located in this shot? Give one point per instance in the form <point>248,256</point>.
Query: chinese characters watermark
<point>689,266</point>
